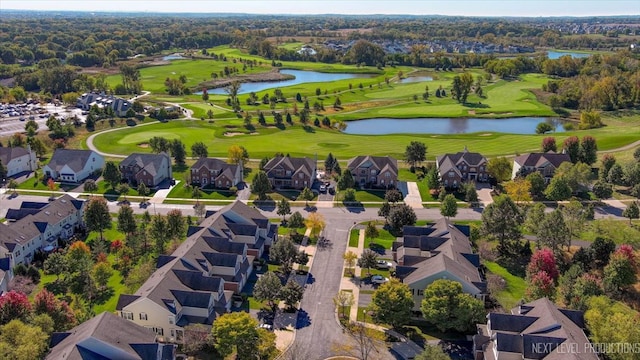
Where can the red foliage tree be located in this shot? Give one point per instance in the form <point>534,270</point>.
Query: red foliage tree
<point>540,285</point>
<point>627,251</point>
<point>571,146</point>
<point>14,305</point>
<point>543,260</point>
<point>45,302</point>
<point>549,144</point>
<point>116,245</point>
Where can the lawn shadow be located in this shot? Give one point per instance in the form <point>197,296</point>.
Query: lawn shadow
<point>478,105</point>
<point>377,248</point>
<point>265,205</point>
<point>309,129</point>
<point>355,208</point>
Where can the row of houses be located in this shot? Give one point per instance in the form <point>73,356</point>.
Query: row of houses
<point>196,283</point>
<point>102,100</point>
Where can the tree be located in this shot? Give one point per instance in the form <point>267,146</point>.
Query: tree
<point>14,306</point>
<point>401,215</point>
<point>237,154</point>
<point>415,153</point>
<point>261,185</point>
<point>96,215</point>
<point>101,273</point>
<point>267,288</point>
<point>238,332</point>
<point>343,300</point>
<point>449,207</point>
<point>291,293</point>
<point>350,260</point>
<point>111,174</point>
<point>126,220</point>
<point>197,337</point>
<point>519,190</point>
<point>283,209</point>
<point>539,285</point>
<point>346,180</point>
<point>283,252</point>
<point>12,185</point>
<point>588,150</point>
<point>55,264</point>
<point>571,146</point>
<point>176,227</point>
<point>558,189</point>
<point>448,308</point>
<point>538,185</point>
<point>602,190</point>
<point>316,223</point>
<point>392,303</point>
<point>535,215</point>
<point>607,161</point>
<point>609,323</point>
<point>432,352</point>
<point>349,196</point>
<point>549,144</point>
<point>619,274</point>
<point>123,189</point>
<point>499,168</point>
<point>575,215</point>
<point>19,341</point>
<point>199,150</point>
<point>51,185</point>
<point>330,163</point>
<point>368,259</point>
<point>90,186</point>
<point>470,193</point>
<point>616,175</point>
<point>543,128</point>
<point>158,231</point>
<point>461,87</point>
<point>631,212</point>
<point>501,220</point>
<point>543,260</point>
<point>393,196</point>
<point>433,179</point>
<point>371,231</point>
<point>143,191</point>
<point>602,249</point>
<point>178,151</point>
<point>553,232</point>
<point>306,194</point>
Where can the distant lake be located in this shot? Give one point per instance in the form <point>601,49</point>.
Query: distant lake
<point>415,79</point>
<point>558,54</point>
<point>173,57</point>
<point>301,77</point>
<point>383,126</point>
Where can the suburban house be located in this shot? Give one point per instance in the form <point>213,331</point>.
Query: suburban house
<point>73,166</point>
<point>536,330</point>
<point>291,173</point>
<point>38,226</point>
<point>460,167</point>
<point>6,274</point>
<point>544,163</point>
<point>438,251</point>
<point>102,100</point>
<point>195,284</point>
<point>108,336</point>
<point>150,169</point>
<point>215,173</point>
<point>374,171</point>
<point>17,160</point>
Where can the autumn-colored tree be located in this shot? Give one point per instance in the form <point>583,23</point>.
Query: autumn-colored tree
<point>14,306</point>
<point>540,285</point>
<point>51,185</point>
<point>549,144</point>
<point>237,154</point>
<point>571,146</point>
<point>519,190</point>
<point>543,260</point>
<point>316,223</point>
<point>45,302</point>
<point>350,260</point>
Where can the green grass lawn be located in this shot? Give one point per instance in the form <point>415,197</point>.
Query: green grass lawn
<point>354,237</point>
<point>515,286</point>
<point>617,230</point>
<point>384,239</point>
<point>183,192</point>
<point>108,234</point>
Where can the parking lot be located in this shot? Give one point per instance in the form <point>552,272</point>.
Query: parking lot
<point>14,116</point>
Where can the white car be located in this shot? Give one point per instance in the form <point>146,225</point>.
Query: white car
<point>383,264</point>
<point>323,188</point>
<point>266,326</point>
<point>379,279</point>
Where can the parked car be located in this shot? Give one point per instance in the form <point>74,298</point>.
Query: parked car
<point>383,264</point>
<point>379,279</point>
<point>323,188</point>
<point>266,326</point>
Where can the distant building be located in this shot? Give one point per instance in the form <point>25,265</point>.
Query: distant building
<point>150,169</point>
<point>108,336</point>
<point>18,160</point>
<point>536,330</point>
<point>215,173</point>
<point>544,163</point>
<point>374,171</point>
<point>73,166</point>
<point>307,50</point>
<point>119,105</point>
<point>438,251</point>
<point>286,172</point>
<point>454,169</point>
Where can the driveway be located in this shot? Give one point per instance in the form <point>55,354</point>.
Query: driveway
<point>484,193</point>
<point>411,193</point>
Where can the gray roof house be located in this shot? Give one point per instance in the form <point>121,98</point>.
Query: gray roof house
<point>102,100</point>
<point>438,251</point>
<point>536,330</point>
<point>150,169</point>
<point>73,166</point>
<point>215,173</point>
<point>544,163</point>
<point>108,336</point>
<point>195,283</point>
<point>460,167</point>
<point>291,172</point>
<point>18,159</point>
<point>374,171</point>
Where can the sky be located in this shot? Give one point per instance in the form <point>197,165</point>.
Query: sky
<point>533,8</point>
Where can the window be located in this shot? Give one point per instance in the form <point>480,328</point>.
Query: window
<point>127,315</point>
<point>373,172</point>
<point>158,330</point>
<point>451,173</point>
<point>143,316</point>
<point>387,175</point>
<point>172,320</point>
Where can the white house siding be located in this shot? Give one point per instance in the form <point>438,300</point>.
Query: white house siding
<point>156,316</point>
<point>22,164</point>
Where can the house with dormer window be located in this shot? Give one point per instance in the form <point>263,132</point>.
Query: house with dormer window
<point>215,174</point>
<point>374,171</point>
<point>150,169</point>
<point>454,169</point>
<point>17,160</point>
<point>73,166</point>
<point>544,163</point>
<point>285,172</point>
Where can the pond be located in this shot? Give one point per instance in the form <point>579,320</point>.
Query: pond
<point>558,54</point>
<point>383,126</point>
<point>301,77</point>
<point>173,57</point>
<point>415,79</point>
